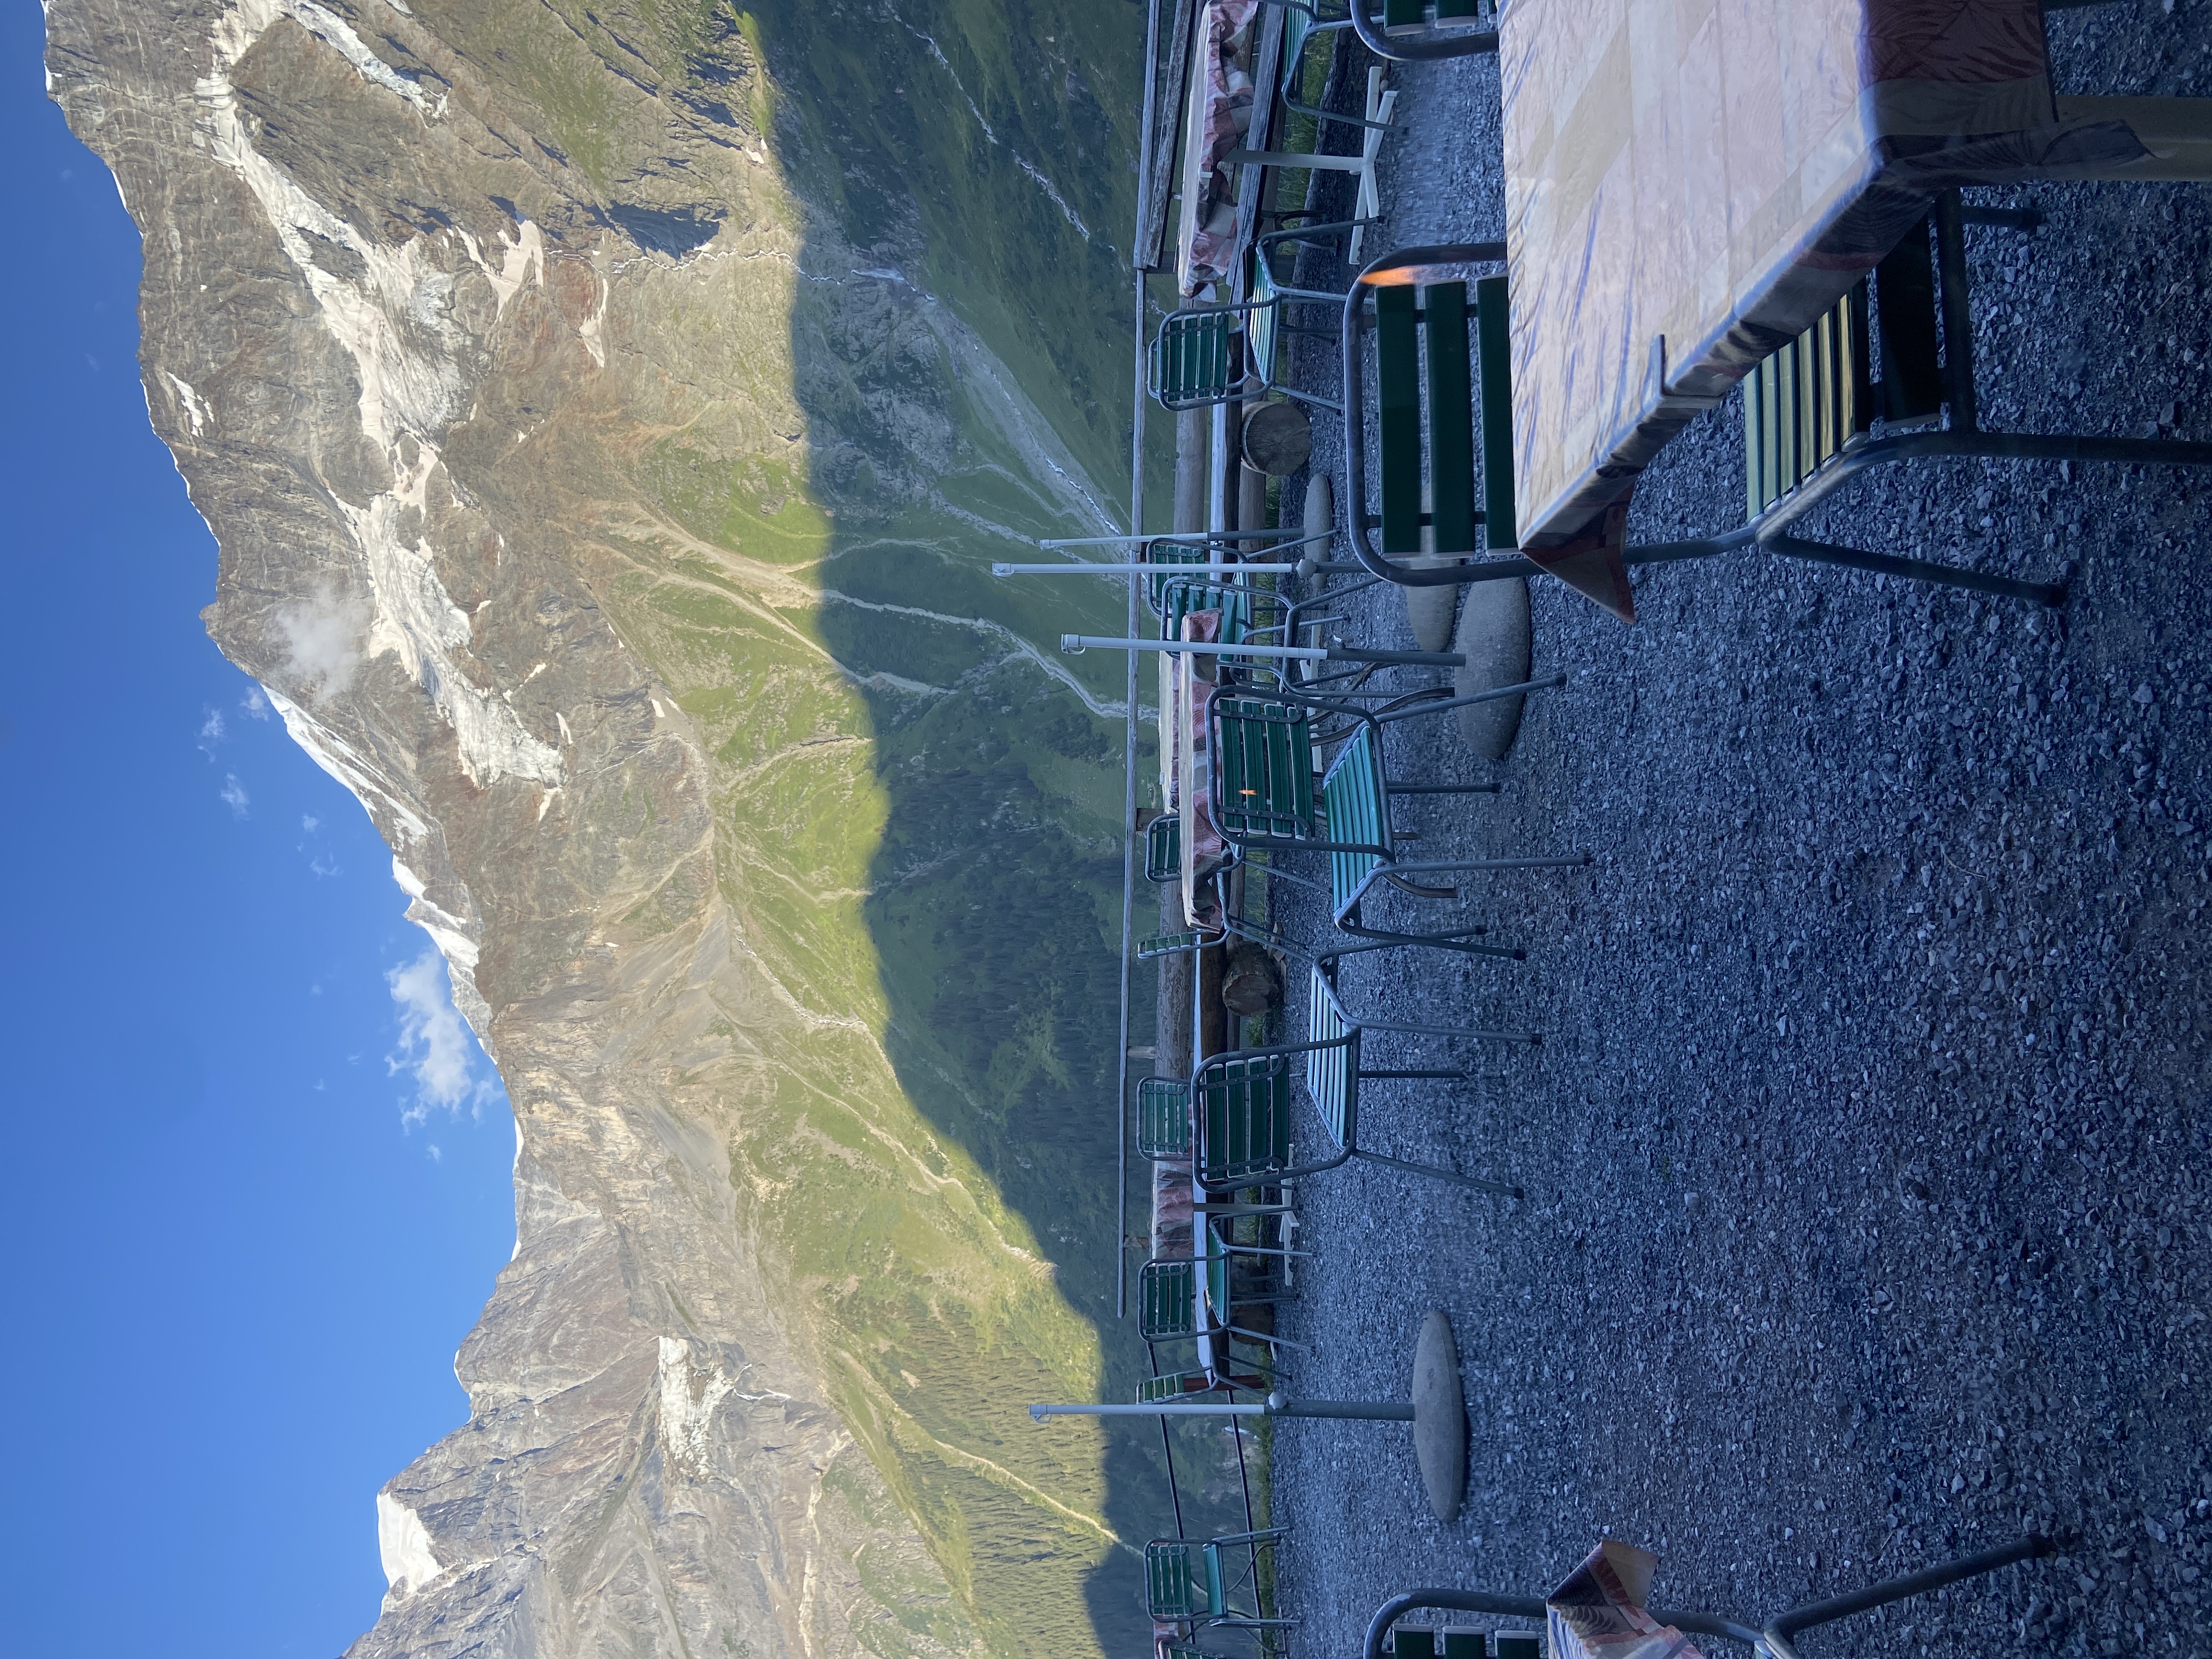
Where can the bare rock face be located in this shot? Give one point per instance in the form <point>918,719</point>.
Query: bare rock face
<point>481,334</point>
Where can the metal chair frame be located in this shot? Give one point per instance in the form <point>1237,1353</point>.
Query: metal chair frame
<point>1294,710</point>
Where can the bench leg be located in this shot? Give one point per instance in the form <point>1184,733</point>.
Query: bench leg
<point>1436,1173</point>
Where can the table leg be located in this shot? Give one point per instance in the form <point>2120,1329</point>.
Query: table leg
<point>2177,131</point>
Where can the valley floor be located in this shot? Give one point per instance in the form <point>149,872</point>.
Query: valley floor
<point>1869,1157</point>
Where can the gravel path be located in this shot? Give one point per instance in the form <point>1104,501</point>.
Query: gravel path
<point>1869,1163</point>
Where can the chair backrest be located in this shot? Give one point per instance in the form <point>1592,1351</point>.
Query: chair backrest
<point>1175,1384</point>
<point>1358,808</point>
<point>1262,768</point>
<point>1519,1645</point>
<point>1168,556</point>
<point>1244,1116</point>
<point>1427,336</point>
<point>1164,848</point>
<point>1167,1300</point>
<point>1333,1070</point>
<point>1412,1642</point>
<point>1193,359</point>
<point>1171,1588</point>
<point>1806,403</point>
<point>1410,16</point>
<point>1164,1118</point>
<point>1180,596</point>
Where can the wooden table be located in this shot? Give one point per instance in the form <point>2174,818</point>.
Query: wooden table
<point>1691,183</point>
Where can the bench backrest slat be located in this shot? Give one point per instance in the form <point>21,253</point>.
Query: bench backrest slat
<point>1904,302</point>
<point>1398,378</point>
<point>1493,336</point>
<point>1807,403</point>
<point>1452,417</point>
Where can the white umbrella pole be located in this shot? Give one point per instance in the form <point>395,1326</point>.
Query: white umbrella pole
<point>1074,643</point>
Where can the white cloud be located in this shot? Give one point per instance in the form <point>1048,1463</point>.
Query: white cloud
<point>256,704</point>
<point>434,1044</point>
<point>322,641</point>
<point>310,823</point>
<point>234,794</point>
<point>210,732</point>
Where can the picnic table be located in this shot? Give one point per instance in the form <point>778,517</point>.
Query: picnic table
<point>1689,185</point>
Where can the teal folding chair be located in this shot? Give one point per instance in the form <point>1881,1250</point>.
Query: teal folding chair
<point>1226,353</point>
<point>1179,1298</point>
<point>1245,1100</point>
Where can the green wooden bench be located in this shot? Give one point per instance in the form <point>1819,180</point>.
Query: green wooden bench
<point>1815,415</point>
<point>1164,848</point>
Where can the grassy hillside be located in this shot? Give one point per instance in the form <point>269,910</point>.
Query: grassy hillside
<point>903,353</point>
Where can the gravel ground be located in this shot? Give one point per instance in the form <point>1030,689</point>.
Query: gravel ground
<point>1869,1165</point>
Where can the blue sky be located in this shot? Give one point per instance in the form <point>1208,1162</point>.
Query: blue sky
<point>245,1234</point>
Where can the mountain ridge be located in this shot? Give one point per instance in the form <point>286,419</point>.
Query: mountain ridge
<point>526,515</point>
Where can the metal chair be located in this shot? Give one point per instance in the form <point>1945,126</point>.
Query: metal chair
<point>1263,796</point>
<point>1773,1641</point>
<point>1179,1385</point>
<point>1244,1098</point>
<point>1164,1119</point>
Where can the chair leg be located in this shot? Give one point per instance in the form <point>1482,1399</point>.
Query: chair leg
<point>1437,1173</point>
<point>1920,570</point>
<point>1533,1038</point>
<point>1377,940</point>
<point>1783,1627</point>
<point>1256,1336</point>
<point>1330,404</point>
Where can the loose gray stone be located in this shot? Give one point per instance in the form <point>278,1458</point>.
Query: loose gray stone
<point>1495,637</point>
